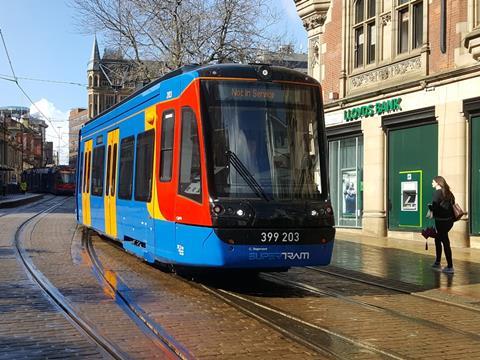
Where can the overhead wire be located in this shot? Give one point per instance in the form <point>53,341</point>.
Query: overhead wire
<point>9,78</point>
<point>15,80</point>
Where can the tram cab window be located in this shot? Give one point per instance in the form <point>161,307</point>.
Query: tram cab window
<point>125,182</point>
<point>190,171</point>
<point>98,167</point>
<point>144,166</point>
<point>166,153</point>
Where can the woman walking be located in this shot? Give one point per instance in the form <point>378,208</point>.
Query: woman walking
<point>442,209</point>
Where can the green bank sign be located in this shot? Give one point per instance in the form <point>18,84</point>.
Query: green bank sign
<point>379,108</point>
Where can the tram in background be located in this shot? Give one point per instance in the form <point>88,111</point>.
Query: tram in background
<point>58,180</point>
<point>219,166</point>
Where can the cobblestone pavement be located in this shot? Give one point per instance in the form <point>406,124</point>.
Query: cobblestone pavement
<point>399,324</point>
<point>54,246</point>
<point>30,325</point>
<point>208,327</point>
<point>409,264</point>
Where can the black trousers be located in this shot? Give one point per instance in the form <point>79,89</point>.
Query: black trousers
<point>443,227</point>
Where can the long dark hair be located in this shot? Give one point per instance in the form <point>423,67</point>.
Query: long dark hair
<point>447,194</point>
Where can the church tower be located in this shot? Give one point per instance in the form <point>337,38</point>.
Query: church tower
<point>93,74</point>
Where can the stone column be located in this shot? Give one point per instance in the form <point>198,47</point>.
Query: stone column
<point>374,220</point>
<point>452,159</point>
<point>313,14</point>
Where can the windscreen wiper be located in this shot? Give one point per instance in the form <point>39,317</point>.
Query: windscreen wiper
<point>233,159</point>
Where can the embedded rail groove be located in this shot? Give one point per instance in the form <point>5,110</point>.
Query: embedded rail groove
<point>372,307</point>
<point>133,310</point>
<point>54,295</point>
<point>303,332</point>
<point>393,288</point>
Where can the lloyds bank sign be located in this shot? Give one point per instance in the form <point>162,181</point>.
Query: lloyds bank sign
<point>379,108</point>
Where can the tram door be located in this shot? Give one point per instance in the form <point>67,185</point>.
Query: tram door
<point>86,216</point>
<point>111,184</point>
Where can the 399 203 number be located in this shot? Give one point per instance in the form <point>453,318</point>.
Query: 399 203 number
<point>273,236</point>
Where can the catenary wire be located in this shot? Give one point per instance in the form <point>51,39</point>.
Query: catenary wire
<point>20,87</point>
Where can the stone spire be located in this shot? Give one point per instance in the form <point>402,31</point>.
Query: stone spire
<point>94,63</point>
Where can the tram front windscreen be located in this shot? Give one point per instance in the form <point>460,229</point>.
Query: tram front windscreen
<point>263,139</point>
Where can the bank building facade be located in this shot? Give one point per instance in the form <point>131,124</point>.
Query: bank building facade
<point>401,88</point>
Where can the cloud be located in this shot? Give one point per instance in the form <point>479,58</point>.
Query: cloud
<point>57,121</point>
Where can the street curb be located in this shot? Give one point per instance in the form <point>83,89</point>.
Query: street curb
<point>21,201</point>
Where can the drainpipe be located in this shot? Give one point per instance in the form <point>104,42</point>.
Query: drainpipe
<point>443,26</point>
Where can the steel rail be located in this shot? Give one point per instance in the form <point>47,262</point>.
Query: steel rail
<point>132,308</point>
<point>396,289</point>
<point>373,307</point>
<point>303,332</point>
<point>56,297</point>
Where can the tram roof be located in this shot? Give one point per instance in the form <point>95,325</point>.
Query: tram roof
<point>191,72</point>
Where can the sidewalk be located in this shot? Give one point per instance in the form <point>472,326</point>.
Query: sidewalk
<point>407,262</point>
<point>13,200</point>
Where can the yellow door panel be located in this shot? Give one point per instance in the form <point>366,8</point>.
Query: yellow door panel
<point>111,181</point>
<point>86,217</point>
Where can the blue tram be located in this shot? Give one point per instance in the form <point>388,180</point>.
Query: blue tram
<point>218,166</point>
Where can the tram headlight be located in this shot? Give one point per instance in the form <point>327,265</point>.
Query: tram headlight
<point>217,209</point>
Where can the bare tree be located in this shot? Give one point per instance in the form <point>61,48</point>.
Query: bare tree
<point>179,32</point>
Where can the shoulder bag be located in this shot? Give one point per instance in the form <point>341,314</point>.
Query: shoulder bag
<point>457,212</point>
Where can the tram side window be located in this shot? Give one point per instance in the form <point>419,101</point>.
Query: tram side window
<point>125,180</point>
<point>144,166</point>
<point>80,172</point>
<point>86,173</point>
<point>98,167</point>
<point>166,153</point>
<point>190,172</point>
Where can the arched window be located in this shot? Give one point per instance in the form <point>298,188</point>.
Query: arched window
<point>90,80</point>
<point>97,80</point>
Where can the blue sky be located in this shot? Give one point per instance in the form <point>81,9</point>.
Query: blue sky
<point>43,43</point>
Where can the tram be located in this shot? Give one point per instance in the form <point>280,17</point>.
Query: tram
<point>58,180</point>
<point>215,166</point>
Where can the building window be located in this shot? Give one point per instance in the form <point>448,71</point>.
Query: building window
<point>125,178</point>
<point>410,25</point>
<point>190,184</point>
<point>476,22</point>
<point>144,166</point>
<point>346,179</point>
<point>98,167</point>
<point>166,154</point>
<point>364,32</point>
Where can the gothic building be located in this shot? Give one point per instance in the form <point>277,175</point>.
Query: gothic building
<point>401,84</point>
<point>111,78</point>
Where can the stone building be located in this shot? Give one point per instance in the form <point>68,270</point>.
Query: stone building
<point>76,119</point>
<point>22,139</point>
<point>401,84</point>
<point>287,57</point>
<point>111,78</point>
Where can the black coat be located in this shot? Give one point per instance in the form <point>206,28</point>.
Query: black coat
<point>442,208</point>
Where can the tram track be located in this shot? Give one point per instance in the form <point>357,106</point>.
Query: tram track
<point>308,334</point>
<point>132,309</point>
<point>373,307</point>
<point>52,293</point>
<point>396,289</point>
